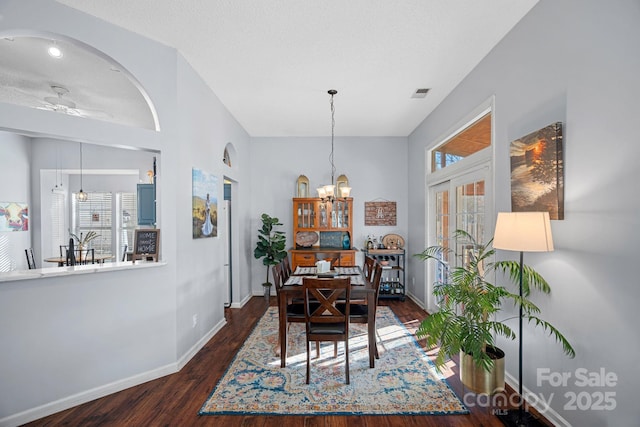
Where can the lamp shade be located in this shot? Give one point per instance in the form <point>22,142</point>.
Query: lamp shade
<point>523,231</point>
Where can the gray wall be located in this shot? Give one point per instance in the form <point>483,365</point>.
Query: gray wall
<point>79,337</point>
<point>577,62</point>
<point>374,166</point>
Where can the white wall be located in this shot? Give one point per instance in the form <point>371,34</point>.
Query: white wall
<point>375,168</point>
<point>16,181</point>
<point>79,337</point>
<point>577,62</point>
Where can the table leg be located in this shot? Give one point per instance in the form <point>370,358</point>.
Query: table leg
<point>282,316</point>
<point>371,326</point>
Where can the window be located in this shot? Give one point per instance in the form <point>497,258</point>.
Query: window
<point>94,214</point>
<point>471,139</point>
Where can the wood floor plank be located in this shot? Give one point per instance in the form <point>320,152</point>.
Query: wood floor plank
<point>175,400</point>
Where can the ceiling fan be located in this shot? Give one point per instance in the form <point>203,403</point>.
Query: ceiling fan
<point>64,105</point>
<point>60,104</point>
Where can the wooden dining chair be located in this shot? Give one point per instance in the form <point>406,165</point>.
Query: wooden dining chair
<point>286,269</point>
<point>332,257</point>
<point>368,267</point>
<point>359,313</point>
<point>294,309</point>
<point>31,262</point>
<point>326,322</point>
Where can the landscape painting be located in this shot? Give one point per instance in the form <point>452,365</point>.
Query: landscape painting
<point>204,204</point>
<point>537,168</point>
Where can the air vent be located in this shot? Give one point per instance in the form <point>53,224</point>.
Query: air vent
<point>420,93</point>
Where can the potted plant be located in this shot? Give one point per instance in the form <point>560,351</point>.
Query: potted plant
<point>271,245</point>
<point>469,303</point>
<point>83,241</point>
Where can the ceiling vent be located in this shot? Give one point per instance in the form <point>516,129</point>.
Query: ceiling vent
<point>420,93</point>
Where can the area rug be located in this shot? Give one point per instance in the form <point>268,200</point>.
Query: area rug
<point>404,380</point>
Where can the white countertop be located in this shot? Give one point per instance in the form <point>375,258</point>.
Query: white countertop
<point>43,273</point>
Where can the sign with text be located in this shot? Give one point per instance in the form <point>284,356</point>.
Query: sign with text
<point>147,244</point>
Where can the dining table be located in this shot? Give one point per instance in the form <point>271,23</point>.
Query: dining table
<point>361,289</point>
<point>61,261</point>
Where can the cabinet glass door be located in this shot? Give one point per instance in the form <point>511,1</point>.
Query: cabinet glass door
<point>306,214</point>
<point>340,215</point>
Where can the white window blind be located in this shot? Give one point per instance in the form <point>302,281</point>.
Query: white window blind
<point>94,214</point>
<point>58,233</point>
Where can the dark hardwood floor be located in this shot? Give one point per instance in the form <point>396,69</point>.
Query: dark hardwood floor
<point>174,400</point>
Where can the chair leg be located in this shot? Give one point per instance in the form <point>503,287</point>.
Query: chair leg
<point>346,358</point>
<point>335,349</point>
<point>308,361</point>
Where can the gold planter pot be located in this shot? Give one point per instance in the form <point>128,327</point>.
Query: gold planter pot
<point>479,380</point>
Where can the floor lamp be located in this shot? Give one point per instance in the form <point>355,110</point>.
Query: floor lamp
<point>522,232</point>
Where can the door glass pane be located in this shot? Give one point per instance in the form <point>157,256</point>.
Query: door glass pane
<point>442,232</point>
<point>470,212</point>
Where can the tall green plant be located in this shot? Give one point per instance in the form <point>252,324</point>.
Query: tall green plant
<point>469,303</point>
<point>271,244</point>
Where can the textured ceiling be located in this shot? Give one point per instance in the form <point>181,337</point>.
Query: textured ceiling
<point>80,83</point>
<point>272,62</point>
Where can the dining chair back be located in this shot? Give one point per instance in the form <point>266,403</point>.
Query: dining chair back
<point>31,262</point>
<point>332,257</point>
<point>76,256</point>
<point>368,267</point>
<point>325,321</point>
<point>286,269</point>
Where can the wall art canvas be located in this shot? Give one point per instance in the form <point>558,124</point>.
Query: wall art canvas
<point>537,172</point>
<point>380,213</point>
<point>14,216</point>
<point>204,204</point>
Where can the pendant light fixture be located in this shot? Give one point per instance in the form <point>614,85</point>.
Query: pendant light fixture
<point>328,192</point>
<point>81,196</point>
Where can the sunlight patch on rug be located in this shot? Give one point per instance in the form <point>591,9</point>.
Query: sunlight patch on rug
<point>404,380</point>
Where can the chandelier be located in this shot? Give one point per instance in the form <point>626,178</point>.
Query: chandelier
<point>328,192</point>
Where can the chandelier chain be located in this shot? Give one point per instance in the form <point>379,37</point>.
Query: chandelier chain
<point>333,125</point>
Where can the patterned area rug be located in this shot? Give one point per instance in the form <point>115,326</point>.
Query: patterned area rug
<point>404,380</point>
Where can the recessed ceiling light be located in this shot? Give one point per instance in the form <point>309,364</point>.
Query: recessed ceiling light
<point>55,52</point>
<point>420,93</point>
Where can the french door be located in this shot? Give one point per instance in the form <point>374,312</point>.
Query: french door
<point>461,202</point>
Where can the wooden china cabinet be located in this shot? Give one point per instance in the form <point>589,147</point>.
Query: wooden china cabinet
<point>322,230</point>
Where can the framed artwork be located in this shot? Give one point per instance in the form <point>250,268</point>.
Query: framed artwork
<point>537,172</point>
<point>14,216</point>
<point>204,204</point>
<point>380,213</point>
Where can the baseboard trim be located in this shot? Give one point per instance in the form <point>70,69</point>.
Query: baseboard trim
<point>182,361</point>
<point>107,389</point>
<point>85,396</point>
<point>548,412</point>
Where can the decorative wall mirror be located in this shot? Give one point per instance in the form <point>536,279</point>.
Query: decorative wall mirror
<point>302,186</point>
<point>341,182</point>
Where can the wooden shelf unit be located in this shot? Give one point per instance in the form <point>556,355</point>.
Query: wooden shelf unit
<point>330,221</point>
<point>393,283</point>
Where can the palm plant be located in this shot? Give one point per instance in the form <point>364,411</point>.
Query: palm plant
<point>469,303</point>
<point>271,244</point>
